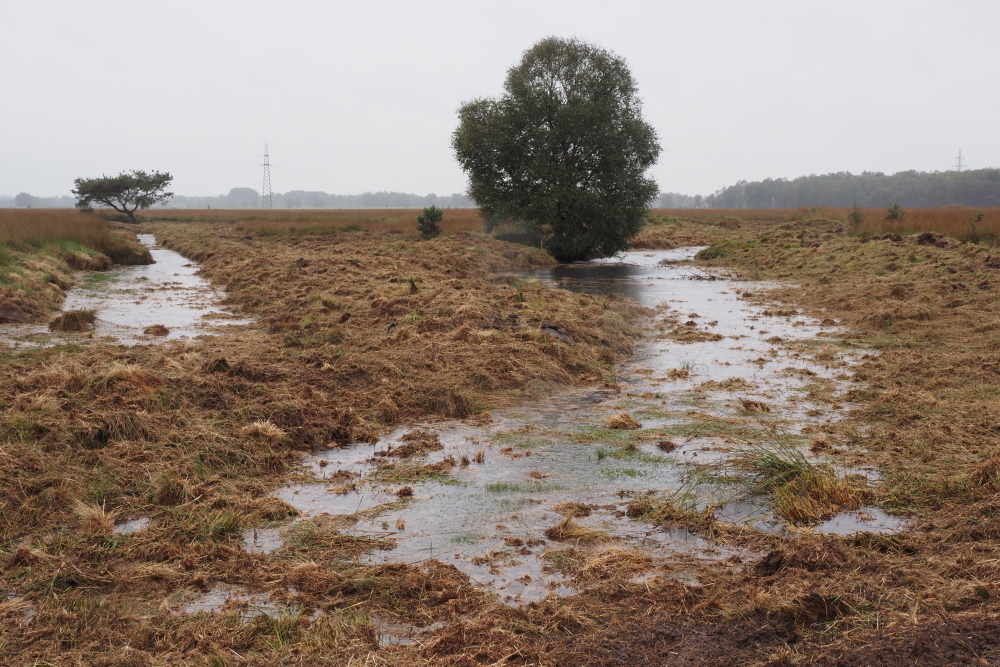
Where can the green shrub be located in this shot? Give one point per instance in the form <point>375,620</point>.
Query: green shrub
<point>895,211</point>
<point>427,222</point>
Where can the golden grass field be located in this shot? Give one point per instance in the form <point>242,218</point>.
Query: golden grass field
<point>402,220</point>
<point>359,331</point>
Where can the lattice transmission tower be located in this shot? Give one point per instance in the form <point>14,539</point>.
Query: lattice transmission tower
<point>267,179</point>
<point>959,162</point>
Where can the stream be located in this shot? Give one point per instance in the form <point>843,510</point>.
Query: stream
<point>128,299</point>
<point>499,485</point>
<point>709,351</point>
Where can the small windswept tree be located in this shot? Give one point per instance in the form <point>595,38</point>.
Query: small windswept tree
<point>427,222</point>
<point>125,193</point>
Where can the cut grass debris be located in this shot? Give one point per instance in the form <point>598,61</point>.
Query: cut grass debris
<point>569,530</point>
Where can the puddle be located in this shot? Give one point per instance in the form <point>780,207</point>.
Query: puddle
<point>250,605</point>
<point>128,299</point>
<point>399,634</point>
<point>10,603</point>
<point>712,353</point>
<point>133,526</point>
<point>867,520</point>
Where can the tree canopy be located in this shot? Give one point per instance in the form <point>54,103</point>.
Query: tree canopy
<point>564,150</point>
<point>125,193</point>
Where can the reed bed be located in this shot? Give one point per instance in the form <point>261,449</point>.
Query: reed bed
<point>403,220</point>
<point>965,223</point>
<point>28,227</point>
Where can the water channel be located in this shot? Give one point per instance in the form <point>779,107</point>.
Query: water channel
<point>129,299</point>
<point>710,349</point>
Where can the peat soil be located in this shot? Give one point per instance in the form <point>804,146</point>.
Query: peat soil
<point>359,333</point>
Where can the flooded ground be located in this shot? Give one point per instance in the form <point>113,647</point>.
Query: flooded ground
<point>481,496</point>
<point>129,299</point>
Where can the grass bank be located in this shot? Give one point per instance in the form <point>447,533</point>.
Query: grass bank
<point>39,250</point>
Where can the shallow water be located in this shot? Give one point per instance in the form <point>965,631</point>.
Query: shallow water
<point>130,298</point>
<point>133,526</point>
<point>488,519</point>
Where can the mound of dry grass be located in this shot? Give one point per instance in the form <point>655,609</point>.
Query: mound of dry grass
<point>569,530</point>
<point>156,330</point>
<point>622,421</point>
<point>569,508</point>
<point>95,518</point>
<point>74,321</point>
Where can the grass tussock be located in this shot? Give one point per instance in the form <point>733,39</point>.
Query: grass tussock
<point>263,429</point>
<point>95,518</point>
<point>74,321</point>
<point>801,491</point>
<point>156,330</point>
<point>622,421</point>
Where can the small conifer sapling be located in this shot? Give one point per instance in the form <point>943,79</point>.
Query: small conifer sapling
<point>427,222</point>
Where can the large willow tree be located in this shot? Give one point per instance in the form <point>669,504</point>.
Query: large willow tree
<point>564,150</point>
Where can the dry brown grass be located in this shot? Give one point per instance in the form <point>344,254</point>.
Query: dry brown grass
<point>263,429</point>
<point>927,398</point>
<point>299,221</point>
<point>39,226</point>
<point>39,250</point>
<point>958,222</point>
<point>568,530</point>
<point>622,421</point>
<point>74,321</point>
<point>94,517</point>
<point>69,230</point>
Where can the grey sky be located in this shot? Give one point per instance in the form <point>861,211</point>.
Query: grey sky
<point>362,96</point>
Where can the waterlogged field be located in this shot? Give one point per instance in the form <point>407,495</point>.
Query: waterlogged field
<point>763,437</point>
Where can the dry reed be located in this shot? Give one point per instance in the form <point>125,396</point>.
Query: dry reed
<point>403,220</point>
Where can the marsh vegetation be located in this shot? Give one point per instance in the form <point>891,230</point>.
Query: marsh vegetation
<point>858,381</point>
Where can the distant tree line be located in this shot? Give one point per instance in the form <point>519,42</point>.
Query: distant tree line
<point>250,198</point>
<point>677,200</point>
<point>912,189</point>
<point>24,200</point>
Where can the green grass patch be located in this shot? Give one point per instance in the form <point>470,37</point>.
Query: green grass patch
<point>521,487</point>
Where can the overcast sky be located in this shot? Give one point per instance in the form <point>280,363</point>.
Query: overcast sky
<point>359,96</point>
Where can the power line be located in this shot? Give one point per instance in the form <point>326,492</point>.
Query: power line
<point>959,162</point>
<point>267,179</point>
